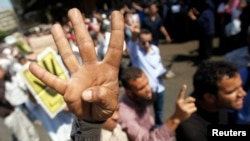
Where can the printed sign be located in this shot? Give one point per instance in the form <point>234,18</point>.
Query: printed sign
<point>50,100</point>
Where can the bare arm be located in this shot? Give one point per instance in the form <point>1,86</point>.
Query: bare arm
<point>135,29</point>
<point>165,33</point>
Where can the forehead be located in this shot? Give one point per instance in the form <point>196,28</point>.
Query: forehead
<point>145,36</point>
<point>138,82</point>
<point>153,6</point>
<point>227,83</point>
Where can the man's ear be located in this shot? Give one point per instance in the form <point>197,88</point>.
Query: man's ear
<point>210,98</point>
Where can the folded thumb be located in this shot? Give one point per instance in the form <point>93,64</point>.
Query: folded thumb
<point>95,94</point>
<point>87,95</point>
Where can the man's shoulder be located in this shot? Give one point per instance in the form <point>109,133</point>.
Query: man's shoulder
<point>125,104</point>
<point>194,121</point>
<point>154,47</point>
<point>193,128</point>
<point>127,114</point>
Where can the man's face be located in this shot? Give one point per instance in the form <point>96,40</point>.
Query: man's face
<point>145,41</point>
<point>140,88</point>
<point>153,9</point>
<point>231,93</point>
<point>111,122</point>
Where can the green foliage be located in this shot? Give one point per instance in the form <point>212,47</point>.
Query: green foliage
<point>2,35</point>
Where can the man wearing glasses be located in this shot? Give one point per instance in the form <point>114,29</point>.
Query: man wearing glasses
<point>146,56</point>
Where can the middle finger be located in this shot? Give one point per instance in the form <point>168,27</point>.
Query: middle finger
<point>84,41</point>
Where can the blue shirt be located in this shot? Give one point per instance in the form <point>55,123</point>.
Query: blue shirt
<point>150,63</point>
<point>154,26</point>
<point>244,113</point>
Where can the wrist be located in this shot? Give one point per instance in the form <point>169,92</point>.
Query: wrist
<point>175,120</point>
<point>92,122</point>
<point>173,123</point>
<point>85,130</point>
<point>82,125</point>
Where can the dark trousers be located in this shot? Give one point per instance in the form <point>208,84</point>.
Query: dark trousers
<point>205,47</point>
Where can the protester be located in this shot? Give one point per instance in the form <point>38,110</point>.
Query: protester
<point>203,13</point>
<point>90,95</point>
<point>243,115</point>
<point>14,118</point>
<point>217,89</point>
<point>153,22</point>
<point>135,116</point>
<point>146,56</point>
<point>241,58</point>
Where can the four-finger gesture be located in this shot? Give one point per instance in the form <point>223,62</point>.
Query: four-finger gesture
<point>91,93</point>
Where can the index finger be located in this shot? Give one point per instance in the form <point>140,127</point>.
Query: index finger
<point>116,41</point>
<point>182,92</point>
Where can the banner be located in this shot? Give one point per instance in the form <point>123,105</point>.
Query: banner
<point>50,100</point>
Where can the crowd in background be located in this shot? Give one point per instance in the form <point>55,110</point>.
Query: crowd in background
<point>147,25</point>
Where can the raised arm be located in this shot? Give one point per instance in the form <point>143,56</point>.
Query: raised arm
<point>183,109</point>
<point>92,91</point>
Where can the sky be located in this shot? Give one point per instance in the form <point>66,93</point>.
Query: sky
<point>5,4</point>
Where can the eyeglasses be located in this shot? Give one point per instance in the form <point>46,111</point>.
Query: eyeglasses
<point>145,42</point>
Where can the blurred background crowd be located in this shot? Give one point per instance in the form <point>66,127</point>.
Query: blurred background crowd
<point>25,33</point>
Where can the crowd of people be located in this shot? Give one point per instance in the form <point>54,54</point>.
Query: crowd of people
<point>92,47</point>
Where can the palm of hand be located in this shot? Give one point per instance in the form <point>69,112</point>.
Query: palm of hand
<point>92,91</point>
<point>102,78</point>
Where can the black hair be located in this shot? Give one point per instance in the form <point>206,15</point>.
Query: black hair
<point>207,76</point>
<point>150,3</point>
<point>145,31</point>
<point>129,73</point>
<point>93,35</point>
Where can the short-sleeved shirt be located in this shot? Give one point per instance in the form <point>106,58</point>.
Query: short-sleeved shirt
<point>154,27</point>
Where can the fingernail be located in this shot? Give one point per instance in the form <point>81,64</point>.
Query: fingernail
<point>87,95</point>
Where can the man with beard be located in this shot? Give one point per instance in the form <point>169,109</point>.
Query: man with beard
<point>135,116</point>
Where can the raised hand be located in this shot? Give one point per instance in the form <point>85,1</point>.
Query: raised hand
<point>184,109</point>
<point>92,91</point>
<point>184,106</point>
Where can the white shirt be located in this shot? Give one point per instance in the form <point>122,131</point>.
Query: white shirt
<point>150,63</point>
<point>102,48</point>
<point>116,135</point>
<point>14,93</point>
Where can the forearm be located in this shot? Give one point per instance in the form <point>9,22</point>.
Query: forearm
<point>164,31</point>
<point>135,33</point>
<point>173,123</point>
